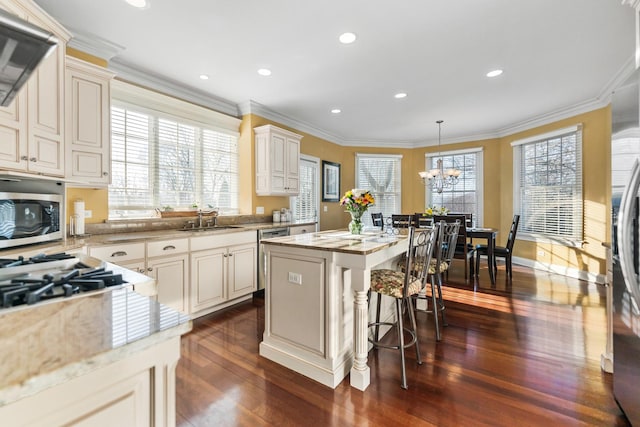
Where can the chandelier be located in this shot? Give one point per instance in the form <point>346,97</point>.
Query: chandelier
<point>438,178</point>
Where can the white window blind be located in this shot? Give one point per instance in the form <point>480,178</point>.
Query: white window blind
<point>381,175</point>
<point>549,185</point>
<point>466,195</point>
<point>159,160</point>
<point>305,205</point>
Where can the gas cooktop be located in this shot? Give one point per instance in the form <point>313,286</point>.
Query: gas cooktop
<point>27,281</point>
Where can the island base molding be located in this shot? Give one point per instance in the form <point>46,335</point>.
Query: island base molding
<point>325,376</point>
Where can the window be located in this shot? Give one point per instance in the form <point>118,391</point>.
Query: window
<point>548,185</point>
<point>161,159</point>
<point>305,205</point>
<point>380,174</point>
<point>466,195</point>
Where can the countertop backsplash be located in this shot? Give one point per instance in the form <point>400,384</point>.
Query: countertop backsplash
<point>157,224</point>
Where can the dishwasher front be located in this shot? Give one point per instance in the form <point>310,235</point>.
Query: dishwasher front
<point>262,261</point>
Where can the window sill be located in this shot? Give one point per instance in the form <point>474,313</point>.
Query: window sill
<point>553,240</point>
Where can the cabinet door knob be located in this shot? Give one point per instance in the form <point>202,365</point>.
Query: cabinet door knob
<point>105,173</point>
<point>33,159</point>
<point>149,269</point>
<point>24,158</point>
<point>230,254</point>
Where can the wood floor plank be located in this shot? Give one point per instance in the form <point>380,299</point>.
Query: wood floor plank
<point>525,352</point>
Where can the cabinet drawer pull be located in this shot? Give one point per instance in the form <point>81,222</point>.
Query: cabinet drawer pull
<point>119,253</point>
<point>168,248</point>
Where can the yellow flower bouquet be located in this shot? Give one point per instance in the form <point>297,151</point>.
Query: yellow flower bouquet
<point>356,202</point>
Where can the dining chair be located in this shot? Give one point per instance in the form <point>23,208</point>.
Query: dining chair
<point>420,220</point>
<point>464,250</point>
<point>402,285</point>
<point>468,218</point>
<point>447,234</point>
<point>401,220</point>
<point>505,252</point>
<point>377,219</point>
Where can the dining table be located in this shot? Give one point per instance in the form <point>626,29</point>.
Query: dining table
<point>489,234</point>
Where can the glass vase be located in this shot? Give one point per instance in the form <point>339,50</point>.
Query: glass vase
<point>355,226</point>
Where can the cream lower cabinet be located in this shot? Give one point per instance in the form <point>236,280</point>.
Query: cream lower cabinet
<point>223,270</point>
<point>136,391</point>
<point>166,261</point>
<point>171,274</point>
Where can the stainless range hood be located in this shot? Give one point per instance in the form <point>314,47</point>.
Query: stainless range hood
<point>22,47</point>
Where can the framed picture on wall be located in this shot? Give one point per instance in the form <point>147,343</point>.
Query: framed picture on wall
<point>330,181</point>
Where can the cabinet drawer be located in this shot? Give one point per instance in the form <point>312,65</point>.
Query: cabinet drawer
<point>118,253</point>
<point>167,247</point>
<point>222,240</point>
<point>302,229</point>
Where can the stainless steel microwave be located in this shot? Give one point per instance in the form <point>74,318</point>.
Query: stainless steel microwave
<point>27,218</point>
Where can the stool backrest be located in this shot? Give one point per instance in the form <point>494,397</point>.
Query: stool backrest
<point>419,253</point>
<point>449,233</point>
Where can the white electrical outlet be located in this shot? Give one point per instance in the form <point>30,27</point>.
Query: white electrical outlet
<point>295,278</point>
<point>88,214</point>
<point>325,208</point>
<point>259,210</point>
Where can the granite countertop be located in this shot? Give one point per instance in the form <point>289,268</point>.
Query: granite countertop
<point>339,241</point>
<point>55,341</point>
<point>132,236</point>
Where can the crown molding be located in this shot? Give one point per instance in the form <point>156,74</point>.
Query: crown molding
<point>253,107</point>
<point>94,45</point>
<point>168,87</point>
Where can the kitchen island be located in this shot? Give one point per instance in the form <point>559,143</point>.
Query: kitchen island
<point>316,311</point>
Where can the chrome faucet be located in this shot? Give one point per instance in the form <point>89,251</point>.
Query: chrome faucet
<point>200,218</point>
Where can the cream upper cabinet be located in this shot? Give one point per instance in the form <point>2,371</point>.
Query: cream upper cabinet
<point>277,161</point>
<point>88,127</point>
<point>33,125</point>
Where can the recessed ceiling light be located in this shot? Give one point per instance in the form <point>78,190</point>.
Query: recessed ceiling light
<point>204,77</point>
<point>336,111</point>
<point>264,72</point>
<point>140,4</point>
<point>494,73</point>
<point>347,38</point>
<point>400,95</point>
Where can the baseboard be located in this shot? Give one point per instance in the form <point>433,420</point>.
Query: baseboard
<point>562,270</point>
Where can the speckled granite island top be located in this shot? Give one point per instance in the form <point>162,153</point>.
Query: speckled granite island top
<point>50,343</point>
<point>340,241</point>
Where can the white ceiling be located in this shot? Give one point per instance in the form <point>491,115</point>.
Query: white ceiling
<point>560,57</point>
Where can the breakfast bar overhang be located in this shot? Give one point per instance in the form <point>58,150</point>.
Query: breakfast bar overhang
<point>316,308</point>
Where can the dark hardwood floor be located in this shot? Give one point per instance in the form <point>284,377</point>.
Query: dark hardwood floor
<point>525,354</point>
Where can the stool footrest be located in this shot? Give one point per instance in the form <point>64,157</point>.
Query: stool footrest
<point>378,344</point>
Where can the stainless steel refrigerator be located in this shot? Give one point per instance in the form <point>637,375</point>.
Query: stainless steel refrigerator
<point>625,180</point>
